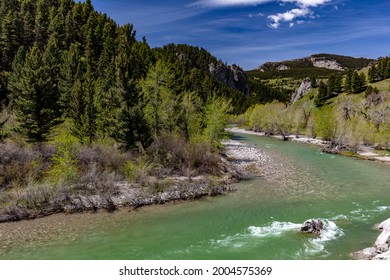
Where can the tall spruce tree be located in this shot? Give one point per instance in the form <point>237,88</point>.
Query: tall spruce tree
<point>322,95</point>
<point>35,96</point>
<point>41,23</point>
<point>358,82</point>
<point>9,38</point>
<point>132,61</point>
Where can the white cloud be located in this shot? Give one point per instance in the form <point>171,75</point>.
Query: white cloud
<point>289,15</point>
<point>256,15</point>
<point>224,3</point>
<point>303,10</point>
<point>308,3</point>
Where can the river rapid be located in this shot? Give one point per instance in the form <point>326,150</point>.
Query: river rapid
<point>258,221</point>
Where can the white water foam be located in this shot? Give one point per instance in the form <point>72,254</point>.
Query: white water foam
<point>276,228</point>
<point>383,208</point>
<point>340,217</point>
<point>317,244</point>
<point>243,239</point>
<point>311,246</point>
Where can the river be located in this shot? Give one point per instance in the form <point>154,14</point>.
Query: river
<point>258,221</point>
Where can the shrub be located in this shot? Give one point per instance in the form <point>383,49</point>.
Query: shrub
<point>175,154</point>
<point>21,165</point>
<point>138,170</point>
<point>64,169</point>
<point>105,158</point>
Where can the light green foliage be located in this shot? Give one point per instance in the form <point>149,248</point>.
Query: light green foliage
<point>271,118</point>
<point>300,113</point>
<point>216,119</point>
<point>160,101</point>
<point>64,169</point>
<point>191,116</point>
<point>326,126</point>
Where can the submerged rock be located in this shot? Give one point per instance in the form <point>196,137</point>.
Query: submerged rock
<point>312,226</point>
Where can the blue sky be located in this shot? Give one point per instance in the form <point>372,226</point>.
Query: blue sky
<point>251,32</point>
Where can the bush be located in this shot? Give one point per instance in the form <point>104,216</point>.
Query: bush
<point>64,169</point>
<point>105,158</point>
<point>138,170</point>
<point>175,154</point>
<point>21,165</point>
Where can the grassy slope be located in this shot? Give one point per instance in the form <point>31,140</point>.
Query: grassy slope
<point>302,68</point>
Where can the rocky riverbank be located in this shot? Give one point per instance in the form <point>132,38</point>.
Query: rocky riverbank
<point>381,248</point>
<point>363,153</point>
<point>238,161</point>
<point>130,195</point>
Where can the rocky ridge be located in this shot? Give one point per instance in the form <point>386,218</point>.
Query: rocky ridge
<point>302,90</point>
<point>232,76</point>
<point>323,62</point>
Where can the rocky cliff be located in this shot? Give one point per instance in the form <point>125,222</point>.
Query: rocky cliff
<point>232,76</point>
<point>324,62</point>
<point>302,90</point>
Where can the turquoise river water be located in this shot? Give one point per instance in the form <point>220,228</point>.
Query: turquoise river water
<point>258,221</point>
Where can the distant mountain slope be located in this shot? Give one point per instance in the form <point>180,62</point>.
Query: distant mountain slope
<point>314,65</point>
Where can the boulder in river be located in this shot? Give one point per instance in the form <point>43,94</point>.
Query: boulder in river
<point>365,254</point>
<point>381,249</point>
<point>382,243</point>
<point>312,226</point>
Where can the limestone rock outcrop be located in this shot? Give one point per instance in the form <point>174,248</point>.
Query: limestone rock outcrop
<point>232,76</point>
<point>323,62</point>
<point>302,90</point>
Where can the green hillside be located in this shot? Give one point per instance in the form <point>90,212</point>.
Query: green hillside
<point>301,68</point>
<point>350,109</point>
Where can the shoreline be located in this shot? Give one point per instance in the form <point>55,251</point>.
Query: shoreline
<point>238,160</point>
<point>365,154</point>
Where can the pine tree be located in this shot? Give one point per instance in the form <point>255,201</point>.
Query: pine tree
<point>313,82</point>
<point>348,81</point>
<point>27,12</point>
<point>358,82</point>
<point>372,74</point>
<point>9,38</point>
<point>332,86</point>
<point>90,115</point>
<point>131,63</point>
<point>322,95</point>
<point>91,43</point>
<point>41,23</point>
<point>35,97</point>
<point>71,71</point>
